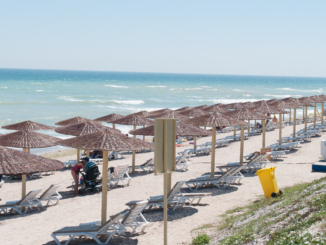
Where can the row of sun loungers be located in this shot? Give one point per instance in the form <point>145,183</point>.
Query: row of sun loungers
<point>31,201</point>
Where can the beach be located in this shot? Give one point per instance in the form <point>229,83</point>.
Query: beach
<point>36,227</point>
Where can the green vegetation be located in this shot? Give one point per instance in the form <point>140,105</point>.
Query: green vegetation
<point>296,217</point>
<point>201,240</point>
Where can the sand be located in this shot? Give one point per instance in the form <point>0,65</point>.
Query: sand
<point>36,227</point>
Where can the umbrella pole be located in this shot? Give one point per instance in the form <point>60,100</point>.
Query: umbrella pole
<point>315,115</point>
<point>248,125</point>
<point>24,179</point>
<point>283,117</point>
<point>113,125</point>
<point>280,130</point>
<point>235,132</point>
<point>264,128</point>
<point>322,113</point>
<point>29,150</point>
<point>104,185</point>
<point>290,115</point>
<point>213,151</point>
<point>144,135</point>
<point>294,121</point>
<point>306,119</point>
<point>195,142</point>
<point>241,144</point>
<point>87,153</point>
<point>134,155</point>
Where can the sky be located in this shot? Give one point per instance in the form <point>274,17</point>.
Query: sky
<point>277,38</point>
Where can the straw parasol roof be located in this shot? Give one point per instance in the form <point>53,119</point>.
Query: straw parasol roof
<point>108,118</point>
<point>28,125</point>
<point>160,111</point>
<point>201,107</point>
<point>316,99</point>
<point>183,109</point>
<point>172,114</point>
<point>182,129</point>
<point>194,112</point>
<point>215,108</point>
<point>71,121</point>
<point>105,141</point>
<point>142,114</point>
<point>215,120</point>
<point>283,105</point>
<point>245,114</point>
<point>265,108</point>
<point>27,139</point>
<point>248,104</point>
<point>18,162</point>
<point>84,128</point>
<point>133,120</point>
<point>234,106</point>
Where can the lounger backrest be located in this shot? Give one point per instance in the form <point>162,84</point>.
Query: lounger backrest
<point>112,221</point>
<point>52,190</point>
<point>148,162</point>
<point>182,158</point>
<point>134,213</point>
<point>31,196</point>
<point>122,169</point>
<point>175,190</point>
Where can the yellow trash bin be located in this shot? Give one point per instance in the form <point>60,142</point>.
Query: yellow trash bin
<point>268,182</point>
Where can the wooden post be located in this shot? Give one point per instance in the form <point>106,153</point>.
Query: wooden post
<point>248,125</point>
<point>294,121</point>
<point>283,117</point>
<point>315,115</point>
<point>113,125</point>
<point>104,185</point>
<point>78,155</point>
<point>241,144</point>
<point>235,132</point>
<point>280,130</point>
<point>195,142</point>
<point>144,135</point>
<point>29,150</point>
<point>290,115</point>
<point>322,113</point>
<point>264,130</point>
<point>87,153</point>
<point>213,151</point>
<point>306,120</point>
<point>133,156</point>
<point>24,180</point>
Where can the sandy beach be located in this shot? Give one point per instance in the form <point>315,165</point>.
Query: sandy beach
<point>37,226</point>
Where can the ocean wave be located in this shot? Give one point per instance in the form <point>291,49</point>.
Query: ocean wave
<point>155,86</point>
<point>193,88</point>
<point>39,90</point>
<point>247,95</point>
<point>116,86</point>
<point>67,98</point>
<point>228,101</point>
<point>302,90</point>
<point>4,87</point>
<point>238,90</point>
<point>129,102</point>
<point>282,95</point>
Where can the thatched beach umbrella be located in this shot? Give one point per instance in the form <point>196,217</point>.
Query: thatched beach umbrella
<point>245,114</point>
<point>194,112</point>
<point>105,141</point>
<point>214,120</point>
<point>216,109</point>
<point>306,102</point>
<point>28,125</point>
<point>183,109</point>
<point>84,128</point>
<point>109,118</point>
<point>13,162</point>
<point>141,114</point>
<point>201,107</point>
<point>135,121</point>
<point>71,121</point>
<point>170,114</point>
<point>316,99</point>
<point>296,102</point>
<point>264,108</point>
<point>234,106</point>
<point>160,111</point>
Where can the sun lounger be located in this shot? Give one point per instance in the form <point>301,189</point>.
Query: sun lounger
<point>276,154</point>
<point>70,163</point>
<point>147,166</point>
<point>29,202</point>
<point>175,198</point>
<point>122,176</point>
<point>182,163</point>
<point>51,195</point>
<point>285,146</point>
<point>1,183</point>
<point>93,230</point>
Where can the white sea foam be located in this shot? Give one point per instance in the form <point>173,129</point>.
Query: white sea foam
<point>39,91</point>
<point>116,86</point>
<point>229,101</point>
<point>238,90</point>
<point>282,95</point>
<point>4,87</point>
<point>67,98</point>
<point>247,95</point>
<point>156,86</point>
<point>193,88</point>
<point>302,90</point>
<point>129,102</point>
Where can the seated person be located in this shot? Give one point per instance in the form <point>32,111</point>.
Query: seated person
<point>258,125</point>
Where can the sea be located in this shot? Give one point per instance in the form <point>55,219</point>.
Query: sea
<point>48,96</point>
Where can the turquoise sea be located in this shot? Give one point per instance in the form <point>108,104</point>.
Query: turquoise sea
<point>48,96</point>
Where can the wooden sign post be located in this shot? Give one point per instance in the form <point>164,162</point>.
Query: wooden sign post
<point>164,159</point>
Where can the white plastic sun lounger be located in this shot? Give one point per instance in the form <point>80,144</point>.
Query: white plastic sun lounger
<point>122,176</point>
<point>276,154</point>
<point>285,146</point>
<point>29,202</point>
<point>147,166</point>
<point>51,195</point>
<point>182,163</point>
<point>1,183</point>
<point>93,230</point>
<point>175,198</point>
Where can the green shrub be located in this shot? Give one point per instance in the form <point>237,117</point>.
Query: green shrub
<point>201,240</point>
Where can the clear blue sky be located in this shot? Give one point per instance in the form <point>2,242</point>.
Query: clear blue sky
<point>250,37</point>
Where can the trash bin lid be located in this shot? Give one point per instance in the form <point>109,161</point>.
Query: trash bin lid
<point>264,170</point>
